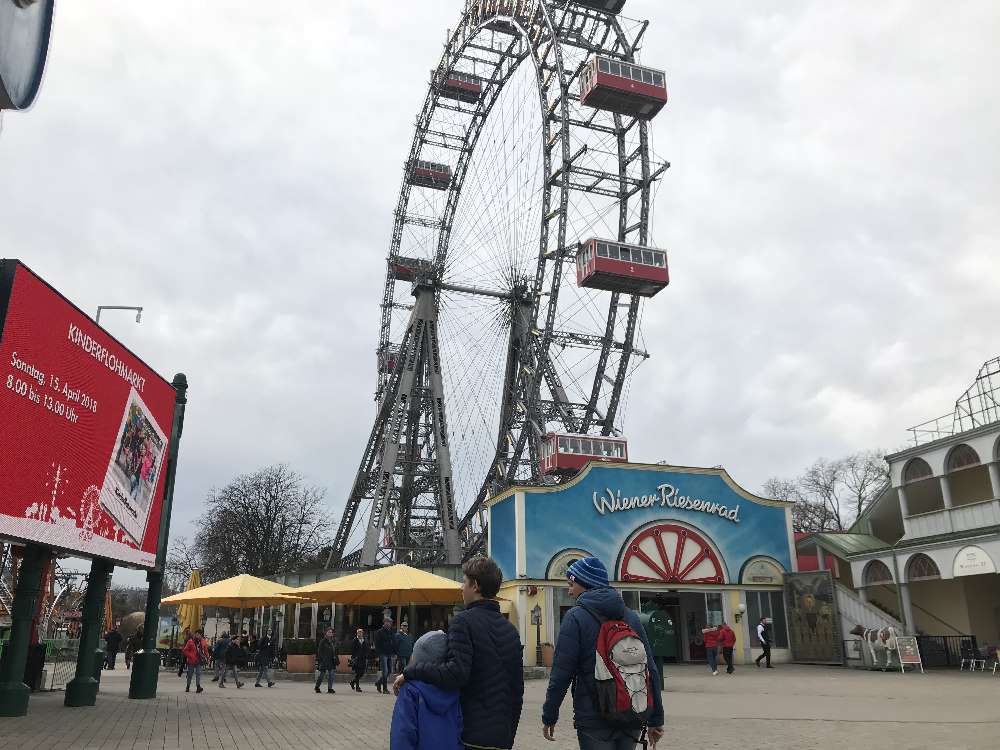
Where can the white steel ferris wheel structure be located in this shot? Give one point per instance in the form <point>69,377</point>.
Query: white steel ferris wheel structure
<point>533,139</point>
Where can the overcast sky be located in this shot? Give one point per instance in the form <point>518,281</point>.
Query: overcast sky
<point>233,167</point>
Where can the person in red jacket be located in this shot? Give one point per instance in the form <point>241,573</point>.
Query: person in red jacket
<point>195,656</point>
<point>711,638</point>
<point>727,640</point>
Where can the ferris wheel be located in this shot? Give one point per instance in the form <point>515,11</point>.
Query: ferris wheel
<point>519,262</point>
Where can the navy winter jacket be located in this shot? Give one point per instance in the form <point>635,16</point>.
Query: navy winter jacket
<point>484,662</point>
<point>426,717</point>
<point>576,654</point>
<point>385,642</point>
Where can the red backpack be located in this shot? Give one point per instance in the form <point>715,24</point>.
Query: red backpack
<point>621,673</point>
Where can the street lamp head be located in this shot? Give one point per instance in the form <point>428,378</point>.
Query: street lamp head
<point>138,314</point>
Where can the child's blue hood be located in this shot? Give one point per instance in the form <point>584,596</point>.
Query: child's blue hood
<point>438,700</point>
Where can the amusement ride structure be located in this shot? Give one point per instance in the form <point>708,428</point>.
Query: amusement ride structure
<point>519,261</point>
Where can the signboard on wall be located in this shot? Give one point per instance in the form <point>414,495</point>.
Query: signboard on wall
<point>86,426</point>
<point>972,561</point>
<point>813,618</point>
<point>762,572</point>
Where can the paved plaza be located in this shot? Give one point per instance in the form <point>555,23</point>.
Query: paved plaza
<point>790,707</point>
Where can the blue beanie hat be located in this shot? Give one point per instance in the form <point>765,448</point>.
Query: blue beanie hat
<point>589,573</point>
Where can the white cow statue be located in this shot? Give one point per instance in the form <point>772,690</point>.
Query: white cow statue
<point>882,638</point>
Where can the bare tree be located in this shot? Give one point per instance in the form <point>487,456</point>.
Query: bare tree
<point>829,495</point>
<point>864,476</point>
<point>262,523</point>
<point>182,558</point>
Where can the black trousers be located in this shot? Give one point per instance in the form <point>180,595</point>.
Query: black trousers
<point>766,655</point>
<point>727,654</point>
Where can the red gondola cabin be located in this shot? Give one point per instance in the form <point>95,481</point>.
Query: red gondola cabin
<point>388,358</point>
<point>431,175</point>
<point>617,267</point>
<point>623,88</point>
<point>408,269</point>
<point>567,454</point>
<point>464,87</point>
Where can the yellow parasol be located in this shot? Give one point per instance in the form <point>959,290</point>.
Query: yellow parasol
<point>109,619</point>
<point>237,592</point>
<point>396,584</point>
<point>189,615</point>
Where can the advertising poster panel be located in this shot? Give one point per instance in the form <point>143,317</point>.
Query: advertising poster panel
<point>85,429</point>
<point>813,618</point>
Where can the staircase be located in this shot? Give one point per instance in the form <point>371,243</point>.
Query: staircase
<point>854,612</point>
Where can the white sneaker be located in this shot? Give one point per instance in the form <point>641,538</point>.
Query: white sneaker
<point>715,672</point>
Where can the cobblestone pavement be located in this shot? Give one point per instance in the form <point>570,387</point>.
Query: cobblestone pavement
<point>789,707</point>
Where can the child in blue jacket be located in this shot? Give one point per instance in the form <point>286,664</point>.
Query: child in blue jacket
<point>427,717</point>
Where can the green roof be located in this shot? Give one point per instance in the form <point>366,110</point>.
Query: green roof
<point>843,545</point>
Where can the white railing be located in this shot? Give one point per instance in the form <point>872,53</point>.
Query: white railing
<point>975,516</point>
<point>853,612</point>
<point>927,524</point>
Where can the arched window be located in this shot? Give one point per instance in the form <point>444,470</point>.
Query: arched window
<point>916,470</point>
<point>961,457</point>
<point>877,573</point>
<point>922,568</point>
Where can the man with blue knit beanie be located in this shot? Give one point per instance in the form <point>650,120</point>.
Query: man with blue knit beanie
<point>575,657</point>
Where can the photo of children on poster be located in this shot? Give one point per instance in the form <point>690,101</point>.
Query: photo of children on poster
<point>133,469</point>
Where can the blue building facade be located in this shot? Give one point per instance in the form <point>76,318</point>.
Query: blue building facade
<point>689,541</point>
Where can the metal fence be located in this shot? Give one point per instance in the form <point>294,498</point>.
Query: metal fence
<point>60,664</point>
<point>945,650</point>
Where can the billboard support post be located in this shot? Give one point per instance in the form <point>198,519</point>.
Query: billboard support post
<point>13,692</point>
<point>82,689</point>
<point>146,663</point>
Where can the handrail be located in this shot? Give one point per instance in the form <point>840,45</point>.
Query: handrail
<point>874,609</point>
<point>929,614</point>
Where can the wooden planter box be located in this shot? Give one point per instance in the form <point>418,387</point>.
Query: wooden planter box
<point>301,663</point>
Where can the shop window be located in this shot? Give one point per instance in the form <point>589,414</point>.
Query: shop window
<point>876,574</point>
<point>713,609</point>
<point>961,457</point>
<point>916,470</point>
<point>922,568</point>
<point>767,604</point>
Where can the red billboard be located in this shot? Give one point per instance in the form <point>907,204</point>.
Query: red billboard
<point>86,424</point>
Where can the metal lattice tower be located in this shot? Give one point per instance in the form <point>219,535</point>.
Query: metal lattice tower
<point>480,306</point>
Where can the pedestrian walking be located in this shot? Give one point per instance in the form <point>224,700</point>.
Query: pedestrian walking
<point>427,717</point>
<point>385,648</point>
<point>727,641</point>
<point>601,614</point>
<point>132,645</point>
<point>265,653</point>
<point>764,636</point>
<point>483,661</point>
<point>326,661</point>
<point>711,638</point>
<point>359,658</point>
<point>113,642</point>
<point>219,656</point>
<point>184,639</point>
<point>404,646</point>
<point>235,656</point>
<point>195,653</point>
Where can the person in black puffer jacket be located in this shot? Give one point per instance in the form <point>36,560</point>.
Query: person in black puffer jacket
<point>483,661</point>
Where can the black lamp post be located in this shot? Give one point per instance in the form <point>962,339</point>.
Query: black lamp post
<point>536,620</point>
